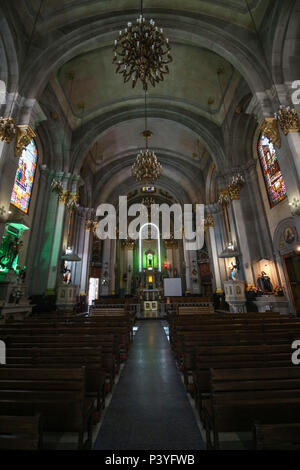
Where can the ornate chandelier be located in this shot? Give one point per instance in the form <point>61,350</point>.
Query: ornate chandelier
<point>142,51</point>
<point>146,168</point>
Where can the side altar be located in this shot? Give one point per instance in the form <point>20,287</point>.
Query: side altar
<point>14,302</point>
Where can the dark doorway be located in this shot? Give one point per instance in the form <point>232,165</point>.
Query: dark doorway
<point>292,264</point>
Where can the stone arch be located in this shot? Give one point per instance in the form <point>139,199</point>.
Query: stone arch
<point>286,43</point>
<point>245,57</point>
<point>9,68</point>
<point>211,185</point>
<point>209,133</point>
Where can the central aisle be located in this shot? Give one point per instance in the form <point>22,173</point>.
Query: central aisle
<point>149,409</point>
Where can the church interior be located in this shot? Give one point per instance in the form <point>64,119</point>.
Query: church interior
<point>116,332</point>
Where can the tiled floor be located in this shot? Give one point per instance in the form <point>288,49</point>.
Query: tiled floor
<point>149,408</point>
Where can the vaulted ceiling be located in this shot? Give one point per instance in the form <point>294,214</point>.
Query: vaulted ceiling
<point>187,112</point>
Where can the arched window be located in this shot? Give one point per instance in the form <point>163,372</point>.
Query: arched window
<point>271,171</point>
<point>22,189</point>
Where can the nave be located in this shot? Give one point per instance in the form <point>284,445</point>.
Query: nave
<point>149,180</point>
<point>150,408</point>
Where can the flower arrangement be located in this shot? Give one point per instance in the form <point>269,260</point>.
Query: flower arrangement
<point>251,288</point>
<point>279,291</point>
<point>253,291</point>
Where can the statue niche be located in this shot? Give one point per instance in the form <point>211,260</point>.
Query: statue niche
<point>264,283</point>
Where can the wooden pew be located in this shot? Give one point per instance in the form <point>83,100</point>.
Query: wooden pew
<point>206,308</point>
<point>20,433</point>
<point>109,360</point>
<point>276,436</point>
<point>58,395</point>
<point>89,357</point>
<point>110,343</point>
<point>229,357</point>
<point>241,397</point>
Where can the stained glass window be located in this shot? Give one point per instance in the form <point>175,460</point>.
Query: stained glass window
<point>271,171</point>
<point>22,189</point>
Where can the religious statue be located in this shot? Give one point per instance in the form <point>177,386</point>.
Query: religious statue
<point>67,276</point>
<point>264,282</point>
<point>234,271</point>
<point>9,252</point>
<point>22,274</point>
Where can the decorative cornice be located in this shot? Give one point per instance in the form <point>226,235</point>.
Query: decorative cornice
<point>269,128</point>
<point>288,119</point>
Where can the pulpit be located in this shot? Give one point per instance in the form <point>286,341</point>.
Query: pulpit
<point>235,295</point>
<point>66,297</point>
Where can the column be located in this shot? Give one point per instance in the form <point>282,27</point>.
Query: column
<point>234,192</point>
<point>104,279</point>
<point>39,249</point>
<point>186,254</point>
<point>81,246</point>
<point>130,247</point>
<point>194,272</point>
<point>288,123</point>
<point>55,261</point>
<point>210,226</point>
<point>112,270</point>
<point>84,287</point>
<point>220,240</point>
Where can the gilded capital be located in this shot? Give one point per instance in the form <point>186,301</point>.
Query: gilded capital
<point>23,138</point>
<point>129,244</point>
<point>224,198</point>
<point>64,196</point>
<point>209,222</point>
<point>269,128</point>
<point>8,129</point>
<point>169,244</point>
<point>288,119</point>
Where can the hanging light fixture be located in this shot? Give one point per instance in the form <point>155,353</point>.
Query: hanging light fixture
<point>142,52</point>
<point>146,168</point>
